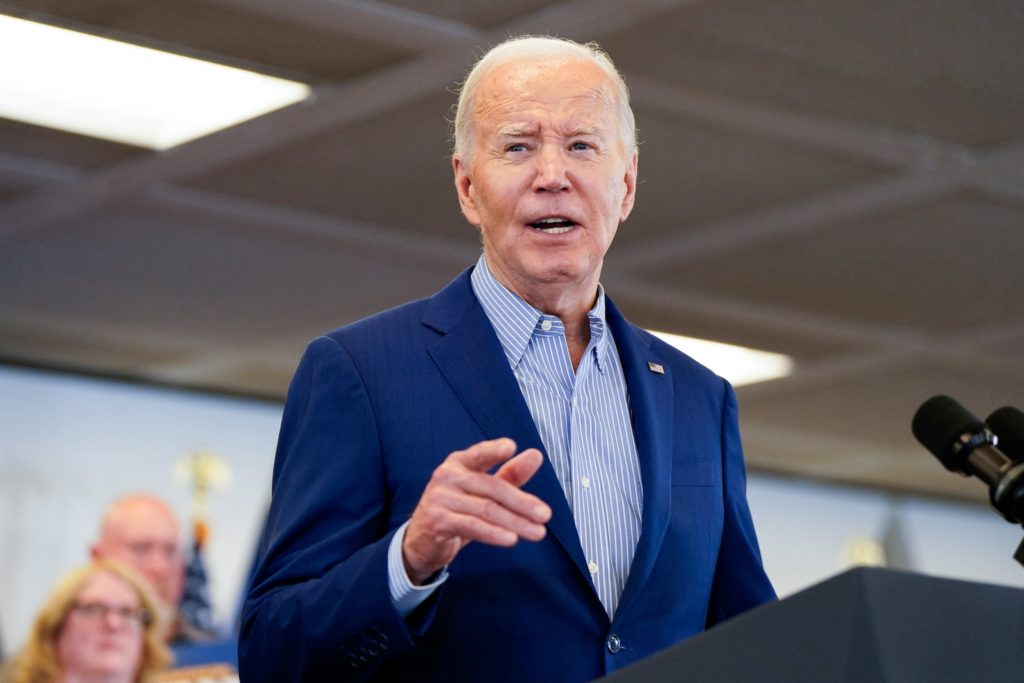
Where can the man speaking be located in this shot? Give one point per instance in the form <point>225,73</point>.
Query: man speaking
<point>506,481</point>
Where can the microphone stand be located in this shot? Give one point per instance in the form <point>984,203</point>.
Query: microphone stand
<point>1006,493</point>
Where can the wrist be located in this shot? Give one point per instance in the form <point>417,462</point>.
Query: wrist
<point>417,576</point>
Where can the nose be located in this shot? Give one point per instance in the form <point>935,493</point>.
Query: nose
<point>552,173</point>
<point>156,564</point>
<point>113,619</point>
<point>160,566</point>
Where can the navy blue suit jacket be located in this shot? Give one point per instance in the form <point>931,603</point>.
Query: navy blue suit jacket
<point>376,406</point>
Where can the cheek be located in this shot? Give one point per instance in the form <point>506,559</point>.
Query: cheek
<point>612,195</point>
<point>70,646</point>
<point>617,208</point>
<point>495,200</point>
<point>502,191</point>
<point>616,191</point>
<point>135,650</point>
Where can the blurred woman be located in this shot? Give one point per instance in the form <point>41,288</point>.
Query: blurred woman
<point>98,625</point>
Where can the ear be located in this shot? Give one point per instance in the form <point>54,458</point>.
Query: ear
<point>94,551</point>
<point>464,187</point>
<point>630,182</point>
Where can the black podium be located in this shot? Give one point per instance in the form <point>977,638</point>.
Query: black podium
<point>863,625</point>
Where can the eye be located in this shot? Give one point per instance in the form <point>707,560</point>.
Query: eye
<point>140,550</point>
<point>580,146</point>
<point>516,147</point>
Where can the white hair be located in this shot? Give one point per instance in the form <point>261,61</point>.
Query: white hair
<point>538,48</point>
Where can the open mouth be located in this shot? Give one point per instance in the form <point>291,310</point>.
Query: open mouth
<point>553,225</point>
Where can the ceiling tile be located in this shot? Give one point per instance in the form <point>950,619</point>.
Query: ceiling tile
<point>48,144</point>
<point>737,235</point>
<point>187,277</point>
<point>393,171</point>
<point>937,268</point>
<point>269,378</point>
<point>939,69</point>
<point>876,406</point>
<point>857,429</point>
<point>225,34</point>
<point>10,191</point>
<point>480,14</point>
<point>690,173</point>
<point>1010,345</point>
<point>57,341</point>
<point>693,314</point>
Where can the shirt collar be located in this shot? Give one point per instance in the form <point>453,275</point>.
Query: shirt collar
<point>515,321</point>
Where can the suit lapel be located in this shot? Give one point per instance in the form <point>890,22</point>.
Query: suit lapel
<point>650,397</point>
<point>473,363</point>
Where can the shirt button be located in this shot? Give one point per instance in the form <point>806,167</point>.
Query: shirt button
<point>592,567</point>
<point>546,325</point>
<point>586,482</point>
<point>614,644</point>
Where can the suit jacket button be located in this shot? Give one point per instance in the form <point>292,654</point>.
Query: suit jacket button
<point>614,644</point>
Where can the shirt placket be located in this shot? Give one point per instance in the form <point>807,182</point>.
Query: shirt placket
<point>588,490</point>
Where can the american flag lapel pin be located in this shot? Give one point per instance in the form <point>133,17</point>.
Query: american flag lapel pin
<point>656,367</point>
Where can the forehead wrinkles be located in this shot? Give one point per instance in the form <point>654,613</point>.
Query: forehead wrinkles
<point>510,113</point>
<point>526,81</point>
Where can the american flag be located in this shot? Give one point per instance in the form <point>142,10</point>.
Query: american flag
<point>195,599</point>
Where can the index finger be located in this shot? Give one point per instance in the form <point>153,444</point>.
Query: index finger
<point>484,455</point>
<point>521,468</point>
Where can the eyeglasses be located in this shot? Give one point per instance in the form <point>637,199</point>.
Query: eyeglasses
<point>97,611</point>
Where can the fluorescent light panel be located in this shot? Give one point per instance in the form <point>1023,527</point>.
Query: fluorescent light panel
<point>107,89</point>
<point>737,364</point>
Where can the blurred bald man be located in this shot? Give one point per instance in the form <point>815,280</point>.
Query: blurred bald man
<point>142,531</point>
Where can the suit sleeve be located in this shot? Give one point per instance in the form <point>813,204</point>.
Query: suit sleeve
<point>740,582</point>
<point>318,606</point>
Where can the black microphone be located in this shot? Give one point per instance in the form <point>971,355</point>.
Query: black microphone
<point>1008,424</point>
<point>964,445</point>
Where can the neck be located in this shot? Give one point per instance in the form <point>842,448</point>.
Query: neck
<point>569,308</point>
<point>569,302</point>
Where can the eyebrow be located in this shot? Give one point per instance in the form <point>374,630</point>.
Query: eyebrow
<point>517,130</point>
<point>585,129</point>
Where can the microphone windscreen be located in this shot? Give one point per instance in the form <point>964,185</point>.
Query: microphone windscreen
<point>938,423</point>
<point>1008,424</point>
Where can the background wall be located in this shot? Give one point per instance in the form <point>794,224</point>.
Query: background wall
<point>72,444</point>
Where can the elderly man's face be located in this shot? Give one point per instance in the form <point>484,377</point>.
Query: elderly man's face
<point>549,180</point>
<point>144,535</point>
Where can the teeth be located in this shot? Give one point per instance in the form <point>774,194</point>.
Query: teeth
<point>555,225</point>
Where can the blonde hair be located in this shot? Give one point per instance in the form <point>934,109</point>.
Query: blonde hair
<point>538,48</point>
<point>37,662</point>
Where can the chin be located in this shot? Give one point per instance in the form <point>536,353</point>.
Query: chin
<point>566,272</point>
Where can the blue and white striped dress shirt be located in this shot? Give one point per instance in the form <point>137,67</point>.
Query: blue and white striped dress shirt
<point>583,418</point>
